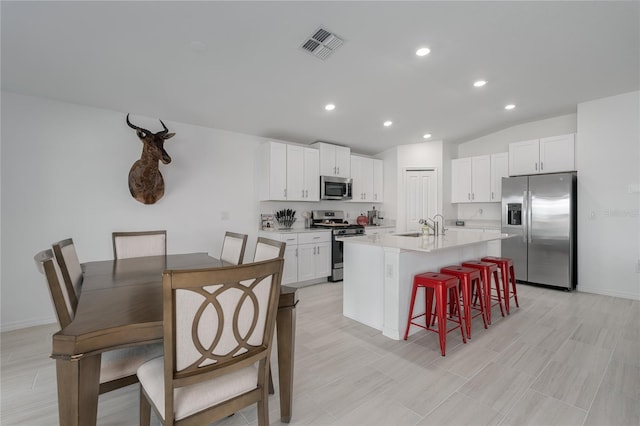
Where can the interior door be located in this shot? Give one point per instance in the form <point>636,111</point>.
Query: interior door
<point>421,197</point>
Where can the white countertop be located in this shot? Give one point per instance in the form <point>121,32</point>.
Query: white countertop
<point>293,230</point>
<point>426,243</point>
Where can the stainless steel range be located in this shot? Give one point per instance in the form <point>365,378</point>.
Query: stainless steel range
<point>334,220</point>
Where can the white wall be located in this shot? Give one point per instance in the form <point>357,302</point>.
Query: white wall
<point>499,142</point>
<point>608,162</point>
<point>64,174</point>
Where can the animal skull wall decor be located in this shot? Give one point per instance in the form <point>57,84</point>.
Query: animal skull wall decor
<point>145,180</point>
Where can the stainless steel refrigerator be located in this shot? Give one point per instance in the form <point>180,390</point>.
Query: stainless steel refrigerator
<point>541,211</point>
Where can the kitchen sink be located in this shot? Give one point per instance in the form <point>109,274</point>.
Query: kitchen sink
<point>410,234</point>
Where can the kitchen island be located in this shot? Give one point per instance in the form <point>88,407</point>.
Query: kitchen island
<point>379,270</point>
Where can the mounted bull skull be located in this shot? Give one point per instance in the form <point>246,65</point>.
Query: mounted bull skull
<point>145,180</point>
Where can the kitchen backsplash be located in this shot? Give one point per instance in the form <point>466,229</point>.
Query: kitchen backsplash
<point>351,210</point>
<point>477,211</point>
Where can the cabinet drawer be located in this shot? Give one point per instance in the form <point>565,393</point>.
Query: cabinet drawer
<point>289,238</point>
<point>314,237</point>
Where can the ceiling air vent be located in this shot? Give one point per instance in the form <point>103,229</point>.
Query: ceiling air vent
<point>322,43</point>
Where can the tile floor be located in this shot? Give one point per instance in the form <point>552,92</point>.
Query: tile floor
<point>561,359</point>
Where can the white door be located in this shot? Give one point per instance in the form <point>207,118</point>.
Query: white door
<point>421,196</point>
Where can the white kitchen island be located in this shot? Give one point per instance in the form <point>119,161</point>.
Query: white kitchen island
<point>379,270</point>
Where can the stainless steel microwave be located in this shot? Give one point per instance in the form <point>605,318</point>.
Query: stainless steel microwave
<point>335,188</point>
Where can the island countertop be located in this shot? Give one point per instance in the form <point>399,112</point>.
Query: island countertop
<point>426,243</point>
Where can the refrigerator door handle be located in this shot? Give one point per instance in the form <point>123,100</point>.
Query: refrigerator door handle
<point>525,224</point>
<point>530,216</point>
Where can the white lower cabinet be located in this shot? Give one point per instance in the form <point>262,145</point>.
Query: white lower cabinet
<point>314,255</point>
<point>307,255</point>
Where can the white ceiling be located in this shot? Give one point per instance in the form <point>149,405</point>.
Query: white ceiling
<point>252,77</point>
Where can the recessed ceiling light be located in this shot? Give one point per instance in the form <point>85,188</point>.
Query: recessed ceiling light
<point>387,123</point>
<point>423,51</point>
<point>480,83</point>
<point>198,46</point>
<point>426,135</point>
<point>510,106</point>
<point>329,107</point>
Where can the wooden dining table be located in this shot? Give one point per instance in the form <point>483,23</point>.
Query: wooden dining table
<point>120,305</point>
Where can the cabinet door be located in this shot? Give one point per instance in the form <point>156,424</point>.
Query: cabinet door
<point>367,179</point>
<point>275,171</point>
<point>322,263</point>
<point>481,179</point>
<point>290,269</point>
<point>357,188</point>
<point>311,174</point>
<point>343,161</point>
<point>378,181</point>
<point>306,261</point>
<point>327,159</point>
<point>557,154</point>
<point>524,158</point>
<point>499,169</point>
<point>295,173</point>
<point>461,180</point>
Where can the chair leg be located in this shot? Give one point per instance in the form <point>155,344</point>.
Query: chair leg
<point>413,300</point>
<point>271,388</point>
<point>145,409</point>
<point>496,281</point>
<point>513,285</point>
<point>441,312</point>
<point>263,409</point>
<point>477,284</point>
<point>504,271</point>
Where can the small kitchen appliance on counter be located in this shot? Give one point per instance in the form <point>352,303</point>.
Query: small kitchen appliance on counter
<point>375,217</point>
<point>334,220</point>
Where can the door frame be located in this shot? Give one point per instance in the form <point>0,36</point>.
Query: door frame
<point>401,224</point>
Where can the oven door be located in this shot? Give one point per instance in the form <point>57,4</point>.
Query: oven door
<point>337,252</point>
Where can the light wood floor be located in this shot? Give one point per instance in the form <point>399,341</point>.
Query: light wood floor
<point>561,359</point>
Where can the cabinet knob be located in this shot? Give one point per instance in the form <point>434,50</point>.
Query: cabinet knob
<point>541,166</point>
<point>536,167</point>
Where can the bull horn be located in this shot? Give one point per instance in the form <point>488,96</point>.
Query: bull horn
<point>165,131</point>
<point>134,127</point>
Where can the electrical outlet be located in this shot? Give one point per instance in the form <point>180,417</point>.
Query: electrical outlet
<point>389,271</point>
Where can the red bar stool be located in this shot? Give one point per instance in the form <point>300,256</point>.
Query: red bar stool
<point>508,274</point>
<point>486,269</point>
<point>441,285</point>
<point>469,280</point>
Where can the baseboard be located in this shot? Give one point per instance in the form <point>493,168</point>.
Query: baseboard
<point>18,325</point>
<point>605,292</point>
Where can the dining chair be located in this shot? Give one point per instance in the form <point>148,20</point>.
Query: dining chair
<point>118,367</point>
<point>67,258</point>
<point>268,249</point>
<point>139,244</point>
<point>218,328</point>
<point>233,247</point>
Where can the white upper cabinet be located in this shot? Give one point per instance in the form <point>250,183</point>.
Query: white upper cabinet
<point>461,180</point>
<point>378,181</point>
<point>334,160</point>
<point>273,173</point>
<point>557,154</point>
<point>499,169</point>
<point>471,179</point>
<point>546,155</point>
<point>289,173</point>
<point>367,174</point>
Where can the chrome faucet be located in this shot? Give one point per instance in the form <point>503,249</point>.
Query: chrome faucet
<point>441,216</point>
<point>433,225</point>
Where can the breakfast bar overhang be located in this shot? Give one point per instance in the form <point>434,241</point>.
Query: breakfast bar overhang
<point>379,270</point>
